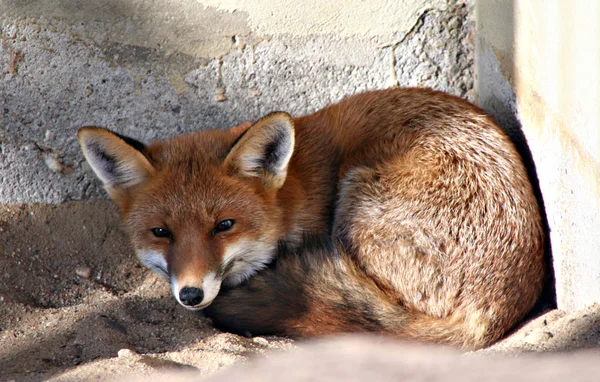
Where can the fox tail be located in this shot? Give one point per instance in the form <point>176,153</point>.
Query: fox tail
<point>316,289</point>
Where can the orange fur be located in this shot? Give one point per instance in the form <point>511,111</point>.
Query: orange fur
<point>440,234</point>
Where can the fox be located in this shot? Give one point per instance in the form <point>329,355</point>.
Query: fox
<point>405,212</point>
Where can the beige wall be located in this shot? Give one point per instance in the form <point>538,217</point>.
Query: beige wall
<point>548,52</point>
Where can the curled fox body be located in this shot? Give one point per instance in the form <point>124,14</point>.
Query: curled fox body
<point>430,229</point>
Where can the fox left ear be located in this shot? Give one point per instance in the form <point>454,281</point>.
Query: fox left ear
<point>264,150</point>
<point>117,160</point>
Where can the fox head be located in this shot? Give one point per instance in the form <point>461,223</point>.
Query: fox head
<point>200,208</point>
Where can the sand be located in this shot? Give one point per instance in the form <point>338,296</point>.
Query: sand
<point>75,304</point>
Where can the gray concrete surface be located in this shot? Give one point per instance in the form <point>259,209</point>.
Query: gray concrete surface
<point>156,69</point>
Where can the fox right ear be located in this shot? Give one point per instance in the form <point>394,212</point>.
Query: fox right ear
<point>264,150</point>
<point>117,161</point>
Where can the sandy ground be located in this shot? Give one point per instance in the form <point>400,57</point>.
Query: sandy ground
<point>75,304</point>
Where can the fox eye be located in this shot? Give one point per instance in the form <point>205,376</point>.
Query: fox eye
<point>223,226</point>
<point>162,233</point>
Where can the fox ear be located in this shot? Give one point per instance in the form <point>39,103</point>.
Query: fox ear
<point>117,160</point>
<point>264,150</point>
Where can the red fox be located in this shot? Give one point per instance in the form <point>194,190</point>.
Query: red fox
<point>406,212</point>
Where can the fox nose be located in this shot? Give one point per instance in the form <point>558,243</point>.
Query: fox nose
<point>191,296</point>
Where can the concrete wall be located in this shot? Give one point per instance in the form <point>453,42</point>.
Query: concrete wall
<point>152,69</point>
<point>539,66</point>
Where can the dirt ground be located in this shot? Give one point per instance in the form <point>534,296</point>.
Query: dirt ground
<point>75,304</point>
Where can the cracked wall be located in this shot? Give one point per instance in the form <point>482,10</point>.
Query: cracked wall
<point>156,69</point>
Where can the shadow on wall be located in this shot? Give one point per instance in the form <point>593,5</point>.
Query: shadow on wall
<point>124,65</point>
<point>188,27</point>
<point>495,72</point>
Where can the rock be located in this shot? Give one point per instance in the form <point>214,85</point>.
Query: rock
<point>260,341</point>
<point>220,95</point>
<point>84,272</point>
<point>538,336</point>
<point>52,162</point>
<point>126,353</point>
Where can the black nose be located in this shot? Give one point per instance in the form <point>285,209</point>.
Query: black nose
<point>191,296</point>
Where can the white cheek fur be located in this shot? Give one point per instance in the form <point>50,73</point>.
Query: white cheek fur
<point>154,260</point>
<point>211,286</point>
<point>247,257</point>
<point>175,289</point>
<point>243,259</point>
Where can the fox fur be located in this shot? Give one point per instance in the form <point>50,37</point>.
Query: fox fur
<point>406,212</point>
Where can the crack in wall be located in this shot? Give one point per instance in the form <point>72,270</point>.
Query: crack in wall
<point>68,79</point>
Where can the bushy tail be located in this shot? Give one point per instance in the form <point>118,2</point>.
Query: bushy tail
<point>316,290</point>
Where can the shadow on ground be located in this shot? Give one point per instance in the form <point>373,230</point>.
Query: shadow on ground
<point>53,320</point>
<point>55,323</point>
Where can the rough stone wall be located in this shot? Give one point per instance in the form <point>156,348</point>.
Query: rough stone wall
<point>156,69</point>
